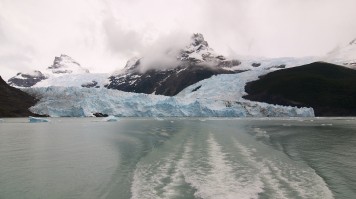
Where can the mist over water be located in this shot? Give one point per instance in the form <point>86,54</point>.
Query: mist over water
<point>178,158</point>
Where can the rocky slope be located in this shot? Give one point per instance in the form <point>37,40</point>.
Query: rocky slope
<point>329,89</point>
<point>14,102</point>
<point>195,62</point>
<point>27,79</point>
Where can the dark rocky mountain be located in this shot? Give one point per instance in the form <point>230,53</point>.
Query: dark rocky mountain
<point>195,62</point>
<point>14,102</point>
<point>330,89</point>
<point>62,65</point>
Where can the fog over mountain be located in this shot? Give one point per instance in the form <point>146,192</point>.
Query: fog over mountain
<point>104,34</point>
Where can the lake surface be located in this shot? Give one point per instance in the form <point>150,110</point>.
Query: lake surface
<point>178,158</point>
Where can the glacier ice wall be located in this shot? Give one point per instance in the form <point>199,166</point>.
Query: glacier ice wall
<point>219,96</point>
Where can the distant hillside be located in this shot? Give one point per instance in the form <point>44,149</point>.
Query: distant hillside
<point>14,102</point>
<point>329,89</point>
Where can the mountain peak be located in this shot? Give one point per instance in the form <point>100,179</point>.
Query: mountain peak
<point>198,51</point>
<point>64,64</point>
<point>198,39</point>
<point>132,63</point>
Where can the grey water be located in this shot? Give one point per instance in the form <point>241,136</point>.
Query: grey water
<point>178,158</point>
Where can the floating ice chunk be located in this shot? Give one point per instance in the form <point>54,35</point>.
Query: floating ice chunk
<point>111,118</point>
<point>37,120</point>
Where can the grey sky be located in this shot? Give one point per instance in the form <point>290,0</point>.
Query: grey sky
<point>103,34</point>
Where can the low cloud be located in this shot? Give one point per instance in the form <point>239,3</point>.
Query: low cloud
<point>104,34</point>
<point>120,39</point>
<point>275,28</point>
<point>162,53</point>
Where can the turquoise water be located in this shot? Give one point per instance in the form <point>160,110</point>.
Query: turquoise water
<point>178,158</point>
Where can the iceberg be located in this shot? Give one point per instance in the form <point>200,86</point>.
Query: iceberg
<point>111,118</point>
<point>37,120</point>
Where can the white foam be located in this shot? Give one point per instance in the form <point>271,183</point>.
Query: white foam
<point>177,178</point>
<point>151,181</point>
<point>260,133</point>
<point>220,182</point>
<point>277,174</point>
<point>286,125</point>
<point>306,183</point>
<point>148,178</point>
<point>225,175</point>
<point>263,172</point>
<point>326,124</point>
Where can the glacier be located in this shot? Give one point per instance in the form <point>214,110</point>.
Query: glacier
<point>218,96</point>
<point>75,80</point>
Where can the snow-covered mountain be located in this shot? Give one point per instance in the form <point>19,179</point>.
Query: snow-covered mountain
<point>64,71</point>
<point>199,52</point>
<point>195,62</point>
<point>66,65</point>
<point>345,55</point>
<point>202,83</point>
<point>67,92</point>
<point>219,96</point>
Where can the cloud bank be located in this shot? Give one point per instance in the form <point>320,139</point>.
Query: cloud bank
<point>103,34</point>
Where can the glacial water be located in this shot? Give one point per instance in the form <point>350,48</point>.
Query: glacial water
<point>178,158</point>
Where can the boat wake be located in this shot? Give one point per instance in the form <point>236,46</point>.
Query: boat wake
<point>210,166</point>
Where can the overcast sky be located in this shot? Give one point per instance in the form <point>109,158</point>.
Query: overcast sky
<point>103,34</point>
